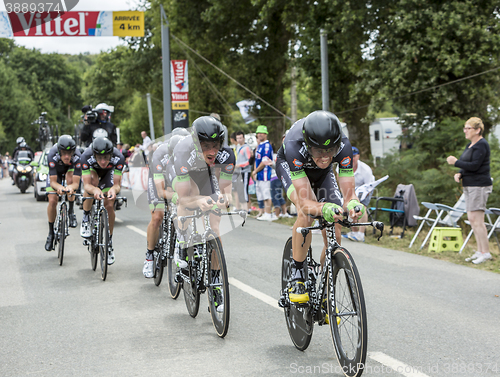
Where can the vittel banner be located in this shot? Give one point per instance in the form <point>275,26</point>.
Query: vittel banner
<point>71,24</point>
<point>180,93</point>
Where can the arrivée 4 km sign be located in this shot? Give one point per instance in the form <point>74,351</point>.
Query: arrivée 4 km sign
<point>55,19</point>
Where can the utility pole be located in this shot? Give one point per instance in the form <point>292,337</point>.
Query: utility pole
<point>165,53</point>
<point>150,111</point>
<point>293,93</point>
<point>324,70</point>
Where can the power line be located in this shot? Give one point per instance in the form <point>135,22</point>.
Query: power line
<point>231,78</point>
<point>425,90</point>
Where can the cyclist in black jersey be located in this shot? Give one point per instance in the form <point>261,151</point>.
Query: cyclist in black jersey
<point>161,175</point>
<point>102,166</point>
<point>204,170</point>
<point>64,161</point>
<point>304,165</point>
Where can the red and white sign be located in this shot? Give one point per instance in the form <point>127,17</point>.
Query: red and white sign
<point>68,24</point>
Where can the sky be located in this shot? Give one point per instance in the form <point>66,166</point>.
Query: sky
<point>77,45</point>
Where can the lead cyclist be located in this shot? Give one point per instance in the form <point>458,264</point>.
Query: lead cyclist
<point>304,165</point>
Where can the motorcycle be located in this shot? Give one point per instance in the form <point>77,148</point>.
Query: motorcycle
<point>23,171</point>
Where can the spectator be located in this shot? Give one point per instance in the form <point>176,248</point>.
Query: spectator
<point>262,172</point>
<point>277,190</point>
<point>1,166</point>
<point>243,154</point>
<point>146,141</point>
<point>362,174</point>
<point>119,146</point>
<point>474,164</point>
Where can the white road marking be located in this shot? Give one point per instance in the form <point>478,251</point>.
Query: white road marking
<point>117,220</point>
<point>137,230</point>
<point>382,358</point>
<point>255,293</point>
<point>396,365</point>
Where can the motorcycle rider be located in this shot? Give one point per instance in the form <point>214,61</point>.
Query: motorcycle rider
<point>96,118</point>
<point>21,145</point>
<point>64,162</point>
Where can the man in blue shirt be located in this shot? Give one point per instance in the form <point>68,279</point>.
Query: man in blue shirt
<point>262,172</point>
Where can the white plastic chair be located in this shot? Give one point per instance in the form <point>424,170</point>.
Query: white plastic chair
<point>450,220</point>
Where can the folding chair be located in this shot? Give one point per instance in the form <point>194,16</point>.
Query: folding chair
<point>395,211</point>
<point>451,219</point>
<point>490,225</point>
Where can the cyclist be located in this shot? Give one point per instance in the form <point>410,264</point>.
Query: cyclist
<point>64,163</point>
<point>304,165</point>
<point>204,170</point>
<point>161,175</point>
<point>102,166</point>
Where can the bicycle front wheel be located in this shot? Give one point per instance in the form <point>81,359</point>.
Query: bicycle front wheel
<point>299,320</point>
<point>218,288</point>
<point>173,287</point>
<point>158,261</point>
<point>191,293</point>
<point>347,313</point>
<point>103,242</point>
<point>62,231</point>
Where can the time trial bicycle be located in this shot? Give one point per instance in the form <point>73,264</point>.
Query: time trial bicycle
<point>335,298</point>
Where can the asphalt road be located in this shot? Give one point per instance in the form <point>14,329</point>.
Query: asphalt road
<point>425,317</point>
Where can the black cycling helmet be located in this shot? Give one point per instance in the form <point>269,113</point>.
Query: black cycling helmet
<point>102,145</point>
<point>208,129</point>
<point>66,143</point>
<point>19,140</point>
<point>322,129</point>
<point>173,142</point>
<point>100,132</point>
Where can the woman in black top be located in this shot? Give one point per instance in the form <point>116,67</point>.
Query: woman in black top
<point>474,166</point>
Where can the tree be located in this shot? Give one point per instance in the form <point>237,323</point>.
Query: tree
<point>422,44</point>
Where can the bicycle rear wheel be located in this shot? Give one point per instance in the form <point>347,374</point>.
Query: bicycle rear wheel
<point>62,230</point>
<point>158,261</point>
<point>347,313</point>
<point>191,293</point>
<point>299,320</point>
<point>173,287</point>
<point>220,292</point>
<point>103,242</point>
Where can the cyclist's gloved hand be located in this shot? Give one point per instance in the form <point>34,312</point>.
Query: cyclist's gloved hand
<point>175,197</point>
<point>328,211</point>
<point>353,203</point>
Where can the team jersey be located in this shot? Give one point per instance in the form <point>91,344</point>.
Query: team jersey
<point>264,150</point>
<point>162,165</point>
<point>57,167</point>
<point>300,162</point>
<point>188,160</point>
<point>89,162</point>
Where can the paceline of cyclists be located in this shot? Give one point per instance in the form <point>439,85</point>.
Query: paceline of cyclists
<point>192,169</point>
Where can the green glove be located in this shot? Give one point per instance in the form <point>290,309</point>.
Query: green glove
<point>328,211</point>
<point>353,203</point>
<point>174,198</point>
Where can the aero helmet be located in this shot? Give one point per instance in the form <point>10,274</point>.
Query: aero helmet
<point>66,143</point>
<point>102,145</point>
<point>208,129</point>
<point>322,129</point>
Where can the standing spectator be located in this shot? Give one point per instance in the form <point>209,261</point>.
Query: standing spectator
<point>277,190</point>
<point>243,154</point>
<point>262,172</point>
<point>119,145</point>
<point>146,141</point>
<point>1,166</point>
<point>474,166</point>
<point>362,174</point>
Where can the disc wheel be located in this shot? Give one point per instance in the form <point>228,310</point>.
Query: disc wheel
<point>347,313</point>
<point>103,243</point>
<point>299,320</point>
<point>218,289</point>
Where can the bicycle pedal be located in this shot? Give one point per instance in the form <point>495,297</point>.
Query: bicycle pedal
<point>178,278</point>
<point>283,303</point>
<point>86,243</point>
